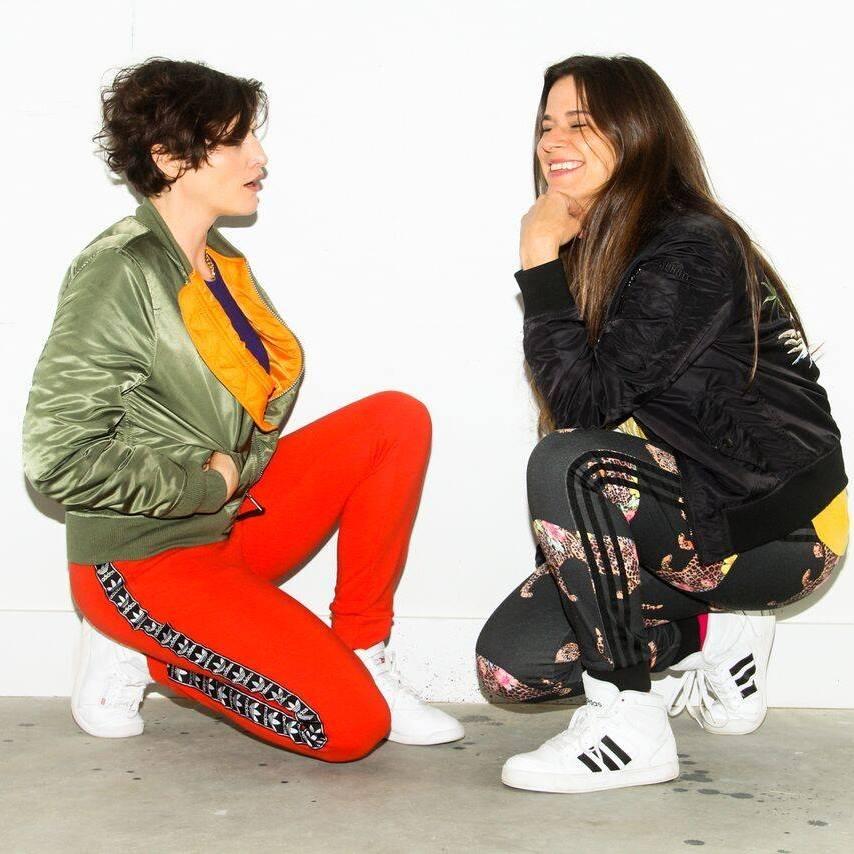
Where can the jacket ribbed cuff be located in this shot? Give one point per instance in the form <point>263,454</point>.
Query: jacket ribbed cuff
<point>205,492</point>
<point>544,288</point>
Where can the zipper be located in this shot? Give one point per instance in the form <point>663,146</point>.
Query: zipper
<point>281,320</point>
<point>629,283</point>
<point>619,296</point>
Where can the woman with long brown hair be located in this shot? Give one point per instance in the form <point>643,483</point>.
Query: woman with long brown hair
<point>648,308</point>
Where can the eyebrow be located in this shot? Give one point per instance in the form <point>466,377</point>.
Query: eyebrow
<point>548,118</point>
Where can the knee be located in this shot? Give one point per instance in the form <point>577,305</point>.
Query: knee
<point>405,413</point>
<point>367,724</point>
<point>554,455</point>
<point>494,680</point>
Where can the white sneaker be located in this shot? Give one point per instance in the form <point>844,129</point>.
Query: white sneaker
<point>412,720</point>
<point>723,687</point>
<point>108,686</point>
<point>619,738</point>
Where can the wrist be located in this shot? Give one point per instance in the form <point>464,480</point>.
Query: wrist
<point>534,252</point>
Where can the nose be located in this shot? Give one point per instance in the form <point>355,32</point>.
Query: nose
<point>259,156</point>
<point>554,139</point>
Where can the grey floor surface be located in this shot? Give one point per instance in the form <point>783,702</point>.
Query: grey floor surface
<point>192,783</point>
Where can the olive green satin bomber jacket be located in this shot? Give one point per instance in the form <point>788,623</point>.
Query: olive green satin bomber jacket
<point>141,378</point>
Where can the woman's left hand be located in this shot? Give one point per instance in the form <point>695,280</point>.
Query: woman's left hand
<point>553,219</point>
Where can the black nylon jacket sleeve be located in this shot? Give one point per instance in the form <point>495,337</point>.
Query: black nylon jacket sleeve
<point>678,302</point>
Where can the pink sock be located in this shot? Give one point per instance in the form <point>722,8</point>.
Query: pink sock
<point>702,624</point>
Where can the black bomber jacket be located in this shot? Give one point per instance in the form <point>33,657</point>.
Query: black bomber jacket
<point>675,353</point>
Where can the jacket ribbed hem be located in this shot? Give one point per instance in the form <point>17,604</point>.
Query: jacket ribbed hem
<point>791,505</point>
<point>94,539</point>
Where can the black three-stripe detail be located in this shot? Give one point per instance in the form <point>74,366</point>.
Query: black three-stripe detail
<point>748,659</point>
<point>625,649</point>
<point>746,678</point>
<point>616,750</point>
<point>603,756</point>
<point>589,762</point>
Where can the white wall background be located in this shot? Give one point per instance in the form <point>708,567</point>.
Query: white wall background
<point>399,142</point>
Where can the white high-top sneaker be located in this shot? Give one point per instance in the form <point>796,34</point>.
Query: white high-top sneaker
<point>619,738</point>
<point>108,686</point>
<point>412,720</point>
<point>724,684</point>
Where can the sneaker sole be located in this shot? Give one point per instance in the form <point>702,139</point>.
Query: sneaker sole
<point>538,781</point>
<point>442,737</point>
<point>119,732</point>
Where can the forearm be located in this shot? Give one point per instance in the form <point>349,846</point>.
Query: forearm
<point>110,474</point>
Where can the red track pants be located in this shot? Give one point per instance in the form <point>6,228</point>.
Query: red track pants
<point>216,627</point>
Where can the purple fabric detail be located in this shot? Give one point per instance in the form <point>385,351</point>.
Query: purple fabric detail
<point>238,319</point>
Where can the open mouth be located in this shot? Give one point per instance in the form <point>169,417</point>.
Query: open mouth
<point>253,185</point>
<point>565,166</point>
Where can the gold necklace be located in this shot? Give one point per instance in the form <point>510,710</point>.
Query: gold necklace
<point>210,265</point>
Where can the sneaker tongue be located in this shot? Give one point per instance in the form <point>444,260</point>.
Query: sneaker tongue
<point>599,693</point>
<point>376,653</point>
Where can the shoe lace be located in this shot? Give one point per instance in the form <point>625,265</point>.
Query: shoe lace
<point>391,677</point>
<point>119,694</point>
<point>585,727</point>
<point>704,693</point>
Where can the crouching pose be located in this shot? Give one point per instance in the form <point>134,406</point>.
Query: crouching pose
<point>154,417</point>
<point>647,307</point>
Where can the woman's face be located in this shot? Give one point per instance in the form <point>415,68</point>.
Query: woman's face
<point>573,157</point>
<point>228,184</point>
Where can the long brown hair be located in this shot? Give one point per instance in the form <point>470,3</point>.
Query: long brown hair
<point>658,167</point>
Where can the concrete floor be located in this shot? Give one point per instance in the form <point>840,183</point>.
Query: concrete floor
<point>192,783</point>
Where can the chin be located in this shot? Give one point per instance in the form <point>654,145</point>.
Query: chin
<point>241,210</point>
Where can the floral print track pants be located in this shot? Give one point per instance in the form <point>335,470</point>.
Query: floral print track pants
<point>616,568</point>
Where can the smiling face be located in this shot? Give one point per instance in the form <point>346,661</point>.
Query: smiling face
<point>573,157</point>
<point>228,184</point>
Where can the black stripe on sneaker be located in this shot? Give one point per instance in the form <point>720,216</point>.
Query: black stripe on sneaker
<point>745,677</point>
<point>750,689</point>
<point>608,761</point>
<point>583,757</point>
<point>616,750</point>
<point>748,659</point>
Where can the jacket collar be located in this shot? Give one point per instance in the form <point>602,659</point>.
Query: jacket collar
<point>148,214</point>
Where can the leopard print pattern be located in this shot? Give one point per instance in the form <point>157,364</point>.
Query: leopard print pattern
<point>559,545</point>
<point>497,681</point>
<point>626,498</point>
<point>694,576</point>
<point>809,583</point>
<point>663,458</point>
<point>526,590</point>
<point>568,652</point>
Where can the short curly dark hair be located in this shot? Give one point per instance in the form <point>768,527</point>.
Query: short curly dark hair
<point>186,107</point>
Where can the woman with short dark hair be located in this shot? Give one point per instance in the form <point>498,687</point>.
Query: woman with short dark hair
<point>154,417</point>
<point>647,307</point>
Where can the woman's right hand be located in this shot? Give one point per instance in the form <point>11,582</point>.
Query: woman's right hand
<point>553,219</point>
<point>224,464</point>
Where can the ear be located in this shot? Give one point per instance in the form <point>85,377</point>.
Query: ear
<point>168,165</point>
